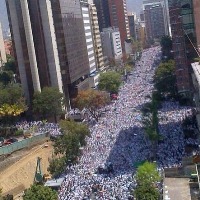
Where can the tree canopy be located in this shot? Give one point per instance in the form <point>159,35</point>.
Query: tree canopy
<point>40,192</point>
<point>68,145</point>
<point>7,71</point>
<point>147,177</point>
<point>12,101</point>
<point>110,81</point>
<point>147,174</point>
<point>92,100</point>
<point>165,79</point>
<point>48,102</point>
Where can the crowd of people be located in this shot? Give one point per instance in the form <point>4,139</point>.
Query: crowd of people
<point>117,142</point>
<point>118,138</point>
<point>38,127</point>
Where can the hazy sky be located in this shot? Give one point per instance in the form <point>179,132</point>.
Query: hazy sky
<point>133,5</point>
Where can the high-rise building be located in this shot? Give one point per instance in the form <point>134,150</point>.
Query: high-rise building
<point>103,13</point>
<point>156,19</point>
<point>184,41</point>
<point>3,58</point>
<point>96,37</point>
<point>89,33</point>
<point>50,45</point>
<point>119,19</point>
<point>131,20</point>
<point>111,43</point>
<point>196,5</point>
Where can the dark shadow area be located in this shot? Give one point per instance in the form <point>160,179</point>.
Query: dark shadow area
<point>132,148</point>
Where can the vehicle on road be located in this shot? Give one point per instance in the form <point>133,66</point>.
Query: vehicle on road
<point>10,141</point>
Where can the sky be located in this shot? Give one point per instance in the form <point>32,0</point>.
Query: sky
<point>132,5</point>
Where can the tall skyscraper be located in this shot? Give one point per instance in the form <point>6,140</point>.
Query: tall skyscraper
<point>3,58</point>
<point>87,21</point>
<point>119,19</point>
<point>50,45</point>
<point>103,13</point>
<point>131,20</point>
<point>96,37</point>
<point>156,19</point>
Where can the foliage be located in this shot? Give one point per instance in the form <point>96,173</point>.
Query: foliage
<point>7,71</point>
<point>92,100</point>
<point>136,46</point>
<point>6,77</point>
<point>68,145</point>
<point>80,130</point>
<point>41,192</point>
<point>8,197</point>
<point>12,102</point>
<point>74,135</point>
<point>146,192</point>
<point>57,166</point>
<point>147,177</point>
<point>10,65</point>
<point>110,82</point>
<point>48,102</point>
<point>147,174</point>
<point>166,44</point>
<point>128,68</point>
<point>19,132</point>
<point>151,121</point>
<point>165,79</point>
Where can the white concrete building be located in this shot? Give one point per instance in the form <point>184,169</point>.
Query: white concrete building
<point>111,43</point>
<point>93,76</point>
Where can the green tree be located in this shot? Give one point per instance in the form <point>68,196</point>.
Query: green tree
<point>40,192</point>
<point>146,192</point>
<point>110,82</point>
<point>48,102</point>
<point>165,73</point>
<point>147,177</point>
<point>6,77</point>
<point>147,174</point>
<point>12,102</point>
<point>68,146</point>
<point>57,166</point>
<point>92,100</point>
<point>80,130</point>
<point>166,44</point>
<point>151,121</point>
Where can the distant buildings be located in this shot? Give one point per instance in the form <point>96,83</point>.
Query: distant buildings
<point>113,13</point>
<point>111,43</point>
<point>119,19</point>
<point>103,13</point>
<point>156,19</point>
<point>132,20</point>
<point>3,58</point>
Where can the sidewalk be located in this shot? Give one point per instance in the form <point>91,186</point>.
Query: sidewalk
<point>176,189</point>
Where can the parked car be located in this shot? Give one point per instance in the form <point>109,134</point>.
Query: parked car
<point>1,141</point>
<point>10,141</point>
